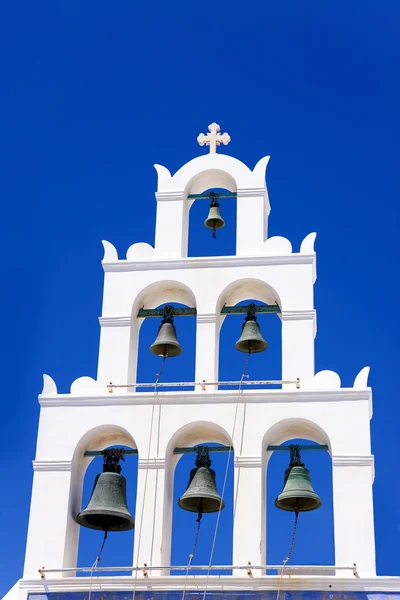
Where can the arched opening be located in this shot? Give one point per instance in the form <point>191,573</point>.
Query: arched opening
<point>202,241</point>
<point>174,369</point>
<point>261,366</point>
<point>314,540</point>
<point>82,543</point>
<point>118,547</point>
<point>181,525</point>
<point>158,295</point>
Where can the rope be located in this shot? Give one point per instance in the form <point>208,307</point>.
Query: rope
<point>284,562</point>
<point>158,375</point>
<point>96,562</point>
<point>244,374</point>
<point>191,555</point>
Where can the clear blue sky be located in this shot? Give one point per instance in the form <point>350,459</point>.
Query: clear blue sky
<point>92,95</point>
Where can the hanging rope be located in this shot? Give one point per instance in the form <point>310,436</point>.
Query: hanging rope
<point>96,562</point>
<point>244,374</point>
<point>284,562</point>
<point>191,555</point>
<point>158,375</point>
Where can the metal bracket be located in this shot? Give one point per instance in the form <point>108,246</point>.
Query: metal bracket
<point>210,195</point>
<point>289,447</point>
<point>226,310</point>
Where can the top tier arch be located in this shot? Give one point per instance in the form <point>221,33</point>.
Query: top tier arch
<point>204,173</point>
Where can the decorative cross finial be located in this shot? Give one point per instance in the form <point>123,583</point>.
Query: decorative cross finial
<point>214,138</point>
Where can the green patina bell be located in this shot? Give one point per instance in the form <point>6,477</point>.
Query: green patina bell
<point>201,495</point>
<point>297,494</point>
<point>214,220</point>
<point>251,340</point>
<point>166,343</point>
<point>107,508</point>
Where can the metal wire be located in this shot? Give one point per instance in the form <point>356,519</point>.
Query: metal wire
<point>244,374</point>
<point>295,382</point>
<point>158,375</point>
<point>96,562</point>
<point>284,562</point>
<point>196,539</point>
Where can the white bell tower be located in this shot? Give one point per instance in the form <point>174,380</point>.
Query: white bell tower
<point>112,410</point>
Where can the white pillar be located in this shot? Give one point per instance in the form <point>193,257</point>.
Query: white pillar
<point>248,512</point>
<point>252,217</point>
<point>149,514</point>
<point>206,350</point>
<point>114,350</point>
<point>171,227</point>
<point>50,519</point>
<point>353,513</point>
<point>298,332</point>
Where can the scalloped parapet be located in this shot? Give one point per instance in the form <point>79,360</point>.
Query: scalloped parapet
<point>49,385</point>
<point>323,380</point>
<point>87,385</point>
<point>110,252</point>
<point>277,245</point>
<point>140,250</point>
<point>307,245</point>
<point>361,380</point>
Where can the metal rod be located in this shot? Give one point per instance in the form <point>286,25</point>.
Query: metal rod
<point>190,450</point>
<point>238,310</point>
<point>309,447</point>
<point>203,384</point>
<point>226,310</point>
<point>208,196</point>
<point>159,312</point>
<point>102,452</point>
<point>200,568</point>
<point>193,450</point>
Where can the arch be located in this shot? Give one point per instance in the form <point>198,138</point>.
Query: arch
<point>293,428</point>
<point>159,292</point>
<point>191,434</point>
<point>97,438</point>
<point>277,434</point>
<point>241,289</point>
<point>249,289</point>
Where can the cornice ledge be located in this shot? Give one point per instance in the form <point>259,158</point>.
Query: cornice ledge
<point>151,463</point>
<point>52,465</point>
<point>172,195</point>
<point>248,462</point>
<point>251,192</point>
<point>373,584</point>
<point>215,397</point>
<point>164,264</point>
<point>350,460</point>
<point>299,315</point>
<point>206,318</point>
<point>115,321</point>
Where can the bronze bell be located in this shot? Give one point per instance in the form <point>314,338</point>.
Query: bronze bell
<point>201,495</point>
<point>166,343</point>
<point>214,220</point>
<point>297,494</point>
<point>251,340</point>
<point>107,509</point>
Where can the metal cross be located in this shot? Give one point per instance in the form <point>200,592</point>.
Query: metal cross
<point>214,138</point>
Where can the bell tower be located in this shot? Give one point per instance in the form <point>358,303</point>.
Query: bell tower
<point>252,420</point>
